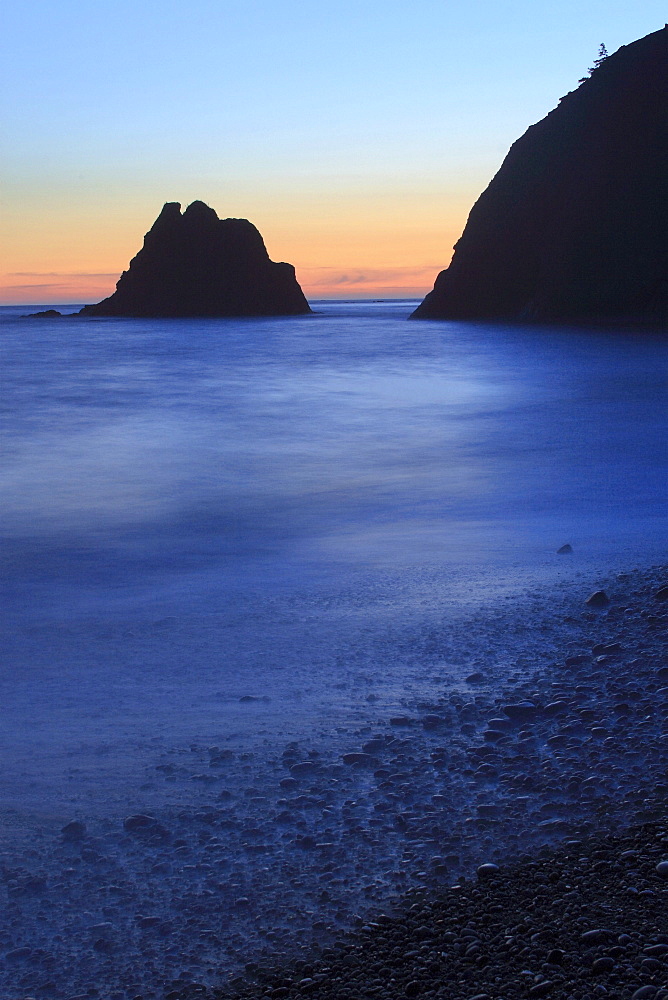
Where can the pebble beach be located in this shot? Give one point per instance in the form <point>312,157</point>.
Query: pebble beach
<point>581,922</point>
<point>461,849</point>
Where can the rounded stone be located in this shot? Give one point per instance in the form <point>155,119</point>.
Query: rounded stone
<point>73,831</point>
<point>520,710</point>
<point>599,599</point>
<point>603,965</point>
<point>139,822</point>
<point>488,870</point>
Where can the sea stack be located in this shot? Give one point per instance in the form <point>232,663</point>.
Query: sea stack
<point>573,227</point>
<point>195,264</point>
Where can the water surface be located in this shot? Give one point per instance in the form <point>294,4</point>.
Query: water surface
<point>195,511</point>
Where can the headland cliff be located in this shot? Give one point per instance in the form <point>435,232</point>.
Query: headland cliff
<point>573,226</point>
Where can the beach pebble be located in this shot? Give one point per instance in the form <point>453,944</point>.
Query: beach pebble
<point>520,710</point>
<point>602,965</point>
<point>599,599</point>
<point>606,648</point>
<point>597,936</point>
<point>73,831</point>
<point>487,870</point>
<point>542,989</point>
<point>303,767</point>
<point>502,725</point>
<point>432,721</point>
<point>576,660</point>
<point>556,708</point>
<point>139,822</point>
<point>358,758</point>
<point>492,735</point>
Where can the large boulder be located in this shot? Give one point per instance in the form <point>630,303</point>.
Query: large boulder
<point>573,226</point>
<point>195,264</point>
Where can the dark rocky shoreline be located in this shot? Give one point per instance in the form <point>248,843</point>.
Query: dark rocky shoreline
<point>589,920</point>
<point>581,917</point>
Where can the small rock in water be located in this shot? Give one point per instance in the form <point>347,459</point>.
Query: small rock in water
<point>576,661</point>
<point>606,649</point>
<point>662,869</point>
<point>358,758</point>
<point>565,550</point>
<point>304,767</point>
<point>521,710</point>
<point>76,830</point>
<point>556,708</point>
<point>500,724</point>
<point>139,822</point>
<point>599,599</point>
<point>432,721</point>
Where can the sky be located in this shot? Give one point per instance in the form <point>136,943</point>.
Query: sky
<point>355,135</point>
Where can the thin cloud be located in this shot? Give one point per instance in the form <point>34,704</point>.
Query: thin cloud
<point>67,275</point>
<point>369,276</point>
<point>70,286</point>
<point>373,281</point>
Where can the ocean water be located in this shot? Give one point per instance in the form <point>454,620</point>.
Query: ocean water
<point>237,551</point>
<point>276,510</point>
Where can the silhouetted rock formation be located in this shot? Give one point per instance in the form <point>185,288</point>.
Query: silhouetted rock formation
<point>573,226</point>
<point>196,264</point>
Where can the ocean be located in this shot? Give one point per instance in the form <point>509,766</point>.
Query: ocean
<point>253,534</point>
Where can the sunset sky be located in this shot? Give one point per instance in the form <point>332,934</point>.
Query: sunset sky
<point>355,136</point>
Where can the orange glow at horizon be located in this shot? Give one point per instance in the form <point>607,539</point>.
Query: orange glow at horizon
<point>316,282</point>
<point>381,250</point>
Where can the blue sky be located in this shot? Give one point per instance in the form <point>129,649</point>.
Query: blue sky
<point>356,136</point>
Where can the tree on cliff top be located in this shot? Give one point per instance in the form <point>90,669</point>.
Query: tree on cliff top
<point>602,56</point>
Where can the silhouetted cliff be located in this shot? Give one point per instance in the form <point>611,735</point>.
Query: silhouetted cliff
<point>573,226</point>
<point>196,264</point>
